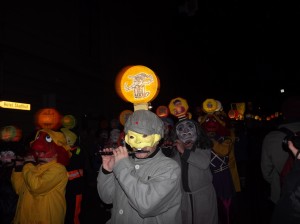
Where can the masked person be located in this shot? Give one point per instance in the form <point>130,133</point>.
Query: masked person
<point>41,181</point>
<point>144,188</point>
<point>199,200</point>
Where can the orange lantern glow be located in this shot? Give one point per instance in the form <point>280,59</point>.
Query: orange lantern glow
<point>8,133</point>
<point>18,135</point>
<point>233,114</point>
<point>162,111</point>
<point>124,116</point>
<point>48,118</point>
<point>138,85</point>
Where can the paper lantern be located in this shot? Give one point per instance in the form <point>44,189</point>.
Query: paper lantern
<point>137,84</point>
<point>162,111</point>
<point>68,121</point>
<point>19,134</point>
<point>48,118</point>
<point>210,106</point>
<point>178,107</point>
<point>233,114</point>
<point>8,133</point>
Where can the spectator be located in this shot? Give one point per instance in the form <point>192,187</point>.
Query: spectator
<point>273,157</point>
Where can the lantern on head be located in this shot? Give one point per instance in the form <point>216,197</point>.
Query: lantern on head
<point>138,85</point>
<point>210,106</point>
<point>179,107</point>
<point>48,118</point>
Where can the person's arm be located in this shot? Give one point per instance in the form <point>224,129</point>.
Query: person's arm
<point>44,180</point>
<point>267,166</point>
<point>294,150</point>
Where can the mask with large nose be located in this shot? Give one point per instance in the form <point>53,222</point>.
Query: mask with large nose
<point>140,141</point>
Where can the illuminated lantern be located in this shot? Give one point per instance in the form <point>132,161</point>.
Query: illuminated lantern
<point>18,135</point>
<point>68,121</point>
<point>124,116</point>
<point>210,106</point>
<point>178,107</point>
<point>219,106</point>
<point>8,133</point>
<point>162,111</point>
<point>137,84</point>
<point>233,114</point>
<point>48,118</point>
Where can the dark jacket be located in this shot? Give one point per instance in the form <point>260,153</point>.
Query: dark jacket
<point>287,210</point>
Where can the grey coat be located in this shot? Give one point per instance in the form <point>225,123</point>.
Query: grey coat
<point>273,158</point>
<point>202,195</point>
<point>143,191</point>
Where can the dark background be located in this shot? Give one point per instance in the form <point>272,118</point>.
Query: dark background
<point>66,54</point>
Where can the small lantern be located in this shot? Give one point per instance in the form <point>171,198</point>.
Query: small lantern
<point>124,116</point>
<point>48,118</point>
<point>68,121</point>
<point>162,111</point>
<point>8,133</point>
<point>18,135</point>
<point>210,106</point>
<point>178,107</point>
<point>233,114</point>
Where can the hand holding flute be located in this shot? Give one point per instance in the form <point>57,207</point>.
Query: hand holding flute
<point>108,162</point>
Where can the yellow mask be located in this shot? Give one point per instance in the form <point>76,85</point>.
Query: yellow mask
<point>139,141</point>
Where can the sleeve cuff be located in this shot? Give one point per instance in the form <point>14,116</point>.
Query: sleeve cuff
<point>105,171</point>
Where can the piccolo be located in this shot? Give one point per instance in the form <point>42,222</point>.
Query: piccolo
<point>101,153</point>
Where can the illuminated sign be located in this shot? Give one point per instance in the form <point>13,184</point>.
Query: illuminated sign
<point>14,105</point>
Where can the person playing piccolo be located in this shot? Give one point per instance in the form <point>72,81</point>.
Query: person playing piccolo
<point>144,187</point>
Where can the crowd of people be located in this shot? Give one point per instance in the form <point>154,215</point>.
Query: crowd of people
<point>155,169</point>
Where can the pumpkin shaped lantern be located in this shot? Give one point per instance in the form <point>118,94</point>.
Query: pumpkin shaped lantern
<point>48,118</point>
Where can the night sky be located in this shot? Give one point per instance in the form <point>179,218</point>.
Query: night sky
<point>67,54</point>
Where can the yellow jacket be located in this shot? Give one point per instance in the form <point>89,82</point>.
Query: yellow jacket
<point>41,191</point>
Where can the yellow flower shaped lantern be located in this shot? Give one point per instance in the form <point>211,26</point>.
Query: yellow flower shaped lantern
<point>210,106</point>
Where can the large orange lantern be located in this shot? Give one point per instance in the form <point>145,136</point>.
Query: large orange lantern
<point>137,84</point>
<point>48,118</point>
